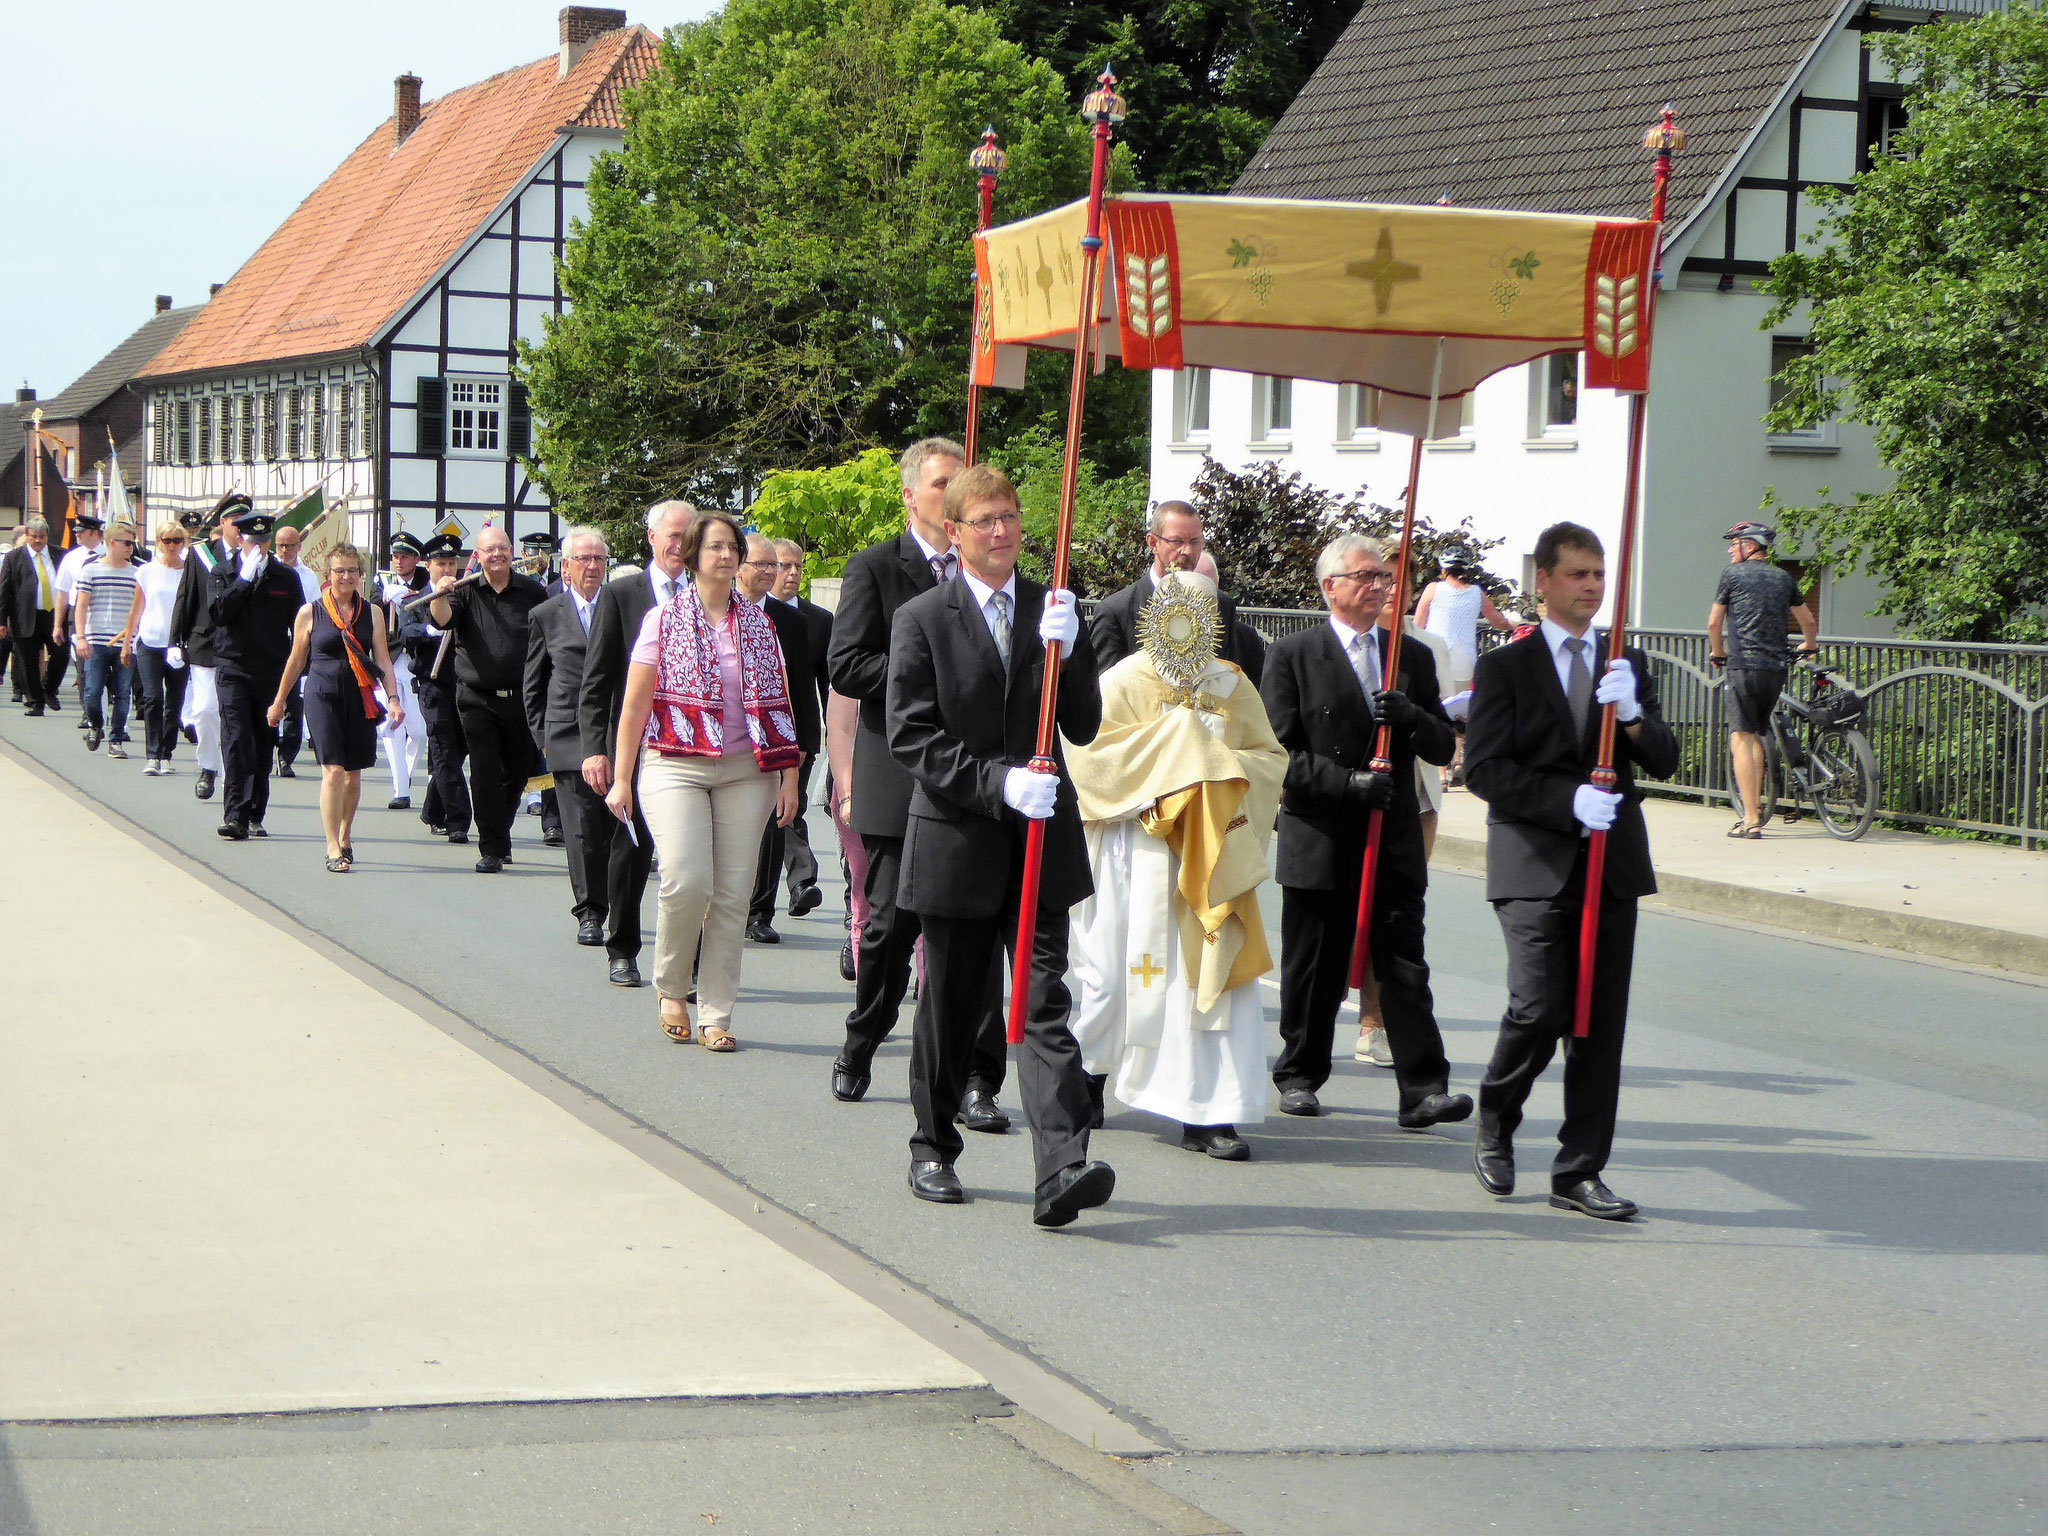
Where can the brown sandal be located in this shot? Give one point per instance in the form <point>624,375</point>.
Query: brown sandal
<point>716,1039</point>
<point>677,1028</point>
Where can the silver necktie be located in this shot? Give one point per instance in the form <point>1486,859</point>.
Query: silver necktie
<point>999,623</point>
<point>1578,690</point>
<point>1365,661</point>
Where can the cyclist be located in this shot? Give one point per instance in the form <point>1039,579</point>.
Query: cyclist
<point>1762,599</point>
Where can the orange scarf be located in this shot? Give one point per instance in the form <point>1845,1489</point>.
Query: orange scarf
<point>358,663</point>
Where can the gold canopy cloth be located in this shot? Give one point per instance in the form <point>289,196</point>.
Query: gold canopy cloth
<point>1210,795</point>
<point>1347,292</point>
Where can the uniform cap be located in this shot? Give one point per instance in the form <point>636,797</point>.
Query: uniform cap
<point>404,541</point>
<point>87,520</point>
<point>541,542</point>
<point>440,546</point>
<point>256,525</point>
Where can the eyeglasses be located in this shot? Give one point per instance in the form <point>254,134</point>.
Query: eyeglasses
<point>996,523</point>
<point>1166,543</point>
<point>1365,578</point>
<point>584,559</point>
<point>759,565</point>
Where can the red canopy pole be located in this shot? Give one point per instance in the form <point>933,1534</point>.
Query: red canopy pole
<point>1105,109</point>
<point>1661,140</point>
<point>987,162</point>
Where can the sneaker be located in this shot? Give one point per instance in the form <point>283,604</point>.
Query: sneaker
<point>1373,1048</point>
<point>117,750</point>
<point>163,768</point>
<point>92,738</point>
<point>149,767</point>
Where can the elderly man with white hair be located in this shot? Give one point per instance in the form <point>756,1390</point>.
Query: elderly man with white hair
<point>28,617</point>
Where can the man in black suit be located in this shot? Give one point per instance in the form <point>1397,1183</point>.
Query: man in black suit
<point>1174,536</point>
<point>622,606</point>
<point>445,809</point>
<point>192,629</point>
<point>256,598</point>
<point>1326,693</point>
<point>557,637</point>
<point>28,617</point>
<point>1530,746</point>
<point>789,849</point>
<point>876,583</point>
<point>966,668</point>
<point>756,583</point>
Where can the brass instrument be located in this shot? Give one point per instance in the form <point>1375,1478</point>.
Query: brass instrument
<point>526,565</point>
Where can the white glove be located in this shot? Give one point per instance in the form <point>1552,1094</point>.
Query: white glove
<point>1030,793</point>
<point>1618,687</point>
<point>252,562</point>
<point>1060,624</point>
<point>174,658</point>
<point>1595,808</point>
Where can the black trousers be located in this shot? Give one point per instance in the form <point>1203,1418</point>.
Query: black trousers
<point>947,1037</point>
<point>246,743</point>
<point>1543,968</point>
<point>625,881</point>
<point>447,799</point>
<point>1316,930</point>
<point>550,810</point>
<point>785,848</point>
<point>886,941</point>
<point>39,661</point>
<point>588,827</point>
<point>500,750</point>
<point>163,701</point>
<point>291,730</point>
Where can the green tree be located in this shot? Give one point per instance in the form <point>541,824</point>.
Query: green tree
<point>1206,79</point>
<point>1928,307</point>
<point>1107,548</point>
<point>775,272</point>
<point>834,513</point>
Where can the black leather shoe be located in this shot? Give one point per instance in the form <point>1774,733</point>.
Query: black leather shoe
<point>846,970</point>
<point>1299,1101</point>
<point>761,933</point>
<point>937,1183</point>
<point>1098,1088</point>
<point>1220,1141</point>
<point>399,803</point>
<point>489,864</point>
<point>806,901</point>
<point>849,1084</point>
<point>1437,1109</point>
<point>202,789</point>
<point>982,1113</point>
<point>590,933</point>
<point>458,837</point>
<point>285,771</point>
<point>1594,1198</point>
<point>33,712</point>
<point>1072,1190</point>
<point>624,972</point>
<point>552,840</point>
<point>234,831</point>
<point>1493,1164</point>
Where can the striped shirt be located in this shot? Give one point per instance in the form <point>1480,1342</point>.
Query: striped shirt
<point>100,599</point>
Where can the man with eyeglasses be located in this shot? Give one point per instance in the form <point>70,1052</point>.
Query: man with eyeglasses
<point>1174,536</point>
<point>1327,695</point>
<point>755,582</point>
<point>789,848</point>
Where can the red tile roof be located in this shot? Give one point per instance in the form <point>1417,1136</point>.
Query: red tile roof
<point>386,221</point>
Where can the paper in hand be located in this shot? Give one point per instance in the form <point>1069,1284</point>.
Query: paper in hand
<point>632,837</point>
<point>1459,705</point>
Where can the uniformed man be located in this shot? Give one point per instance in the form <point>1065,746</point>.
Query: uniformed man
<point>446,809</point>
<point>255,600</point>
<point>488,620</point>
<point>405,581</point>
<point>543,550</point>
<point>192,629</point>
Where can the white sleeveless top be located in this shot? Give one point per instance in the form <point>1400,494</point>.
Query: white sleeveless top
<point>1454,614</point>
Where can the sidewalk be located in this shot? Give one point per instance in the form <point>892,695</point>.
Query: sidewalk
<point>1982,903</point>
<point>242,1180</point>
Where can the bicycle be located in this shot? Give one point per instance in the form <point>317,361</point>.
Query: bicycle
<point>1833,768</point>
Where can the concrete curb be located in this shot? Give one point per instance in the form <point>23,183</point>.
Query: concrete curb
<point>1992,948</point>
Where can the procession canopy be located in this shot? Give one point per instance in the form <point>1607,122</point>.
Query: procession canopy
<point>1346,292</point>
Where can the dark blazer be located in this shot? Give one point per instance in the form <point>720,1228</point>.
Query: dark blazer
<point>18,591</point>
<point>1114,629</point>
<point>957,724</point>
<point>555,645</point>
<point>192,608</point>
<point>876,583</point>
<point>818,630</point>
<point>252,620</point>
<point>1525,761</point>
<point>801,670</point>
<point>1321,717</point>
<point>622,604</point>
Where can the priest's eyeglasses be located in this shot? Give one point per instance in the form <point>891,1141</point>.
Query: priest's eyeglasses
<point>1365,578</point>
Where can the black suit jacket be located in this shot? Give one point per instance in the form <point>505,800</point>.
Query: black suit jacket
<point>252,620</point>
<point>1321,717</point>
<point>958,721</point>
<point>818,632</point>
<point>192,608</point>
<point>1114,629</point>
<point>18,591</point>
<point>621,606</point>
<point>794,635</point>
<point>1523,758</point>
<point>876,583</point>
<point>555,647</point>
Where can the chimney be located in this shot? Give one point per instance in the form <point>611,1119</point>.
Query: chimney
<point>213,288</point>
<point>582,25</point>
<point>163,302</point>
<point>24,396</point>
<point>405,110</point>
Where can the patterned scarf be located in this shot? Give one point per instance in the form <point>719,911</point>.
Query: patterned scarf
<point>358,663</point>
<point>688,717</point>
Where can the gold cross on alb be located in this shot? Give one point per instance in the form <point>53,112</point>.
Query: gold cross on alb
<point>1383,271</point>
<point>1146,970</point>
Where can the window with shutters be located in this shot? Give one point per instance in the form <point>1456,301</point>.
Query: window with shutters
<point>184,431</point>
<point>345,421</point>
<point>202,431</point>
<point>316,421</point>
<point>269,402</point>
<point>224,428</point>
<point>476,417</point>
<point>245,429</point>
<point>160,448</point>
<point>367,418</point>
<point>295,423</point>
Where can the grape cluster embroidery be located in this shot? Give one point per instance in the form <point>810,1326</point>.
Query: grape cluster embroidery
<point>1251,256</point>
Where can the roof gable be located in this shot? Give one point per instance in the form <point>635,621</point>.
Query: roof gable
<point>1535,104</point>
<point>386,221</point>
<point>125,362</point>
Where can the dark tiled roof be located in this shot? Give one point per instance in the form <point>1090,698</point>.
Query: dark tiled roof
<point>1534,104</point>
<point>12,432</point>
<point>120,365</point>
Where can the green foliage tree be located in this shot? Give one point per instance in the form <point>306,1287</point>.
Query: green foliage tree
<point>1206,79</point>
<point>1928,310</point>
<point>834,513</point>
<point>775,272</point>
<point>1108,532</point>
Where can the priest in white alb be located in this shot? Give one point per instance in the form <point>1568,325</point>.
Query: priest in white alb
<point>1178,795</point>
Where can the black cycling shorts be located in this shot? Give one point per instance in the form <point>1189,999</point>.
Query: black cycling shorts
<point>1752,695</point>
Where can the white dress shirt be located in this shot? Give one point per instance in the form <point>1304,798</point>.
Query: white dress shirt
<point>983,592</point>
<point>583,610</point>
<point>1349,638</point>
<point>1554,636</point>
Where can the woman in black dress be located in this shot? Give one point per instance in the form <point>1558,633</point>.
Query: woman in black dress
<point>342,638</point>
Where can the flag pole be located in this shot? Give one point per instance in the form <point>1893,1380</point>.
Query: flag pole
<point>987,162</point>
<point>1661,141</point>
<point>1105,110</point>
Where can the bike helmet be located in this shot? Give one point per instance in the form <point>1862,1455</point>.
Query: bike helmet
<point>1757,533</point>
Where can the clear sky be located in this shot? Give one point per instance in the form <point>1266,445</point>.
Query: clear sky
<point>151,148</point>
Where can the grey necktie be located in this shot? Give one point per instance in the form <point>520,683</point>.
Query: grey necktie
<point>1365,661</point>
<point>999,623</point>
<point>1578,689</point>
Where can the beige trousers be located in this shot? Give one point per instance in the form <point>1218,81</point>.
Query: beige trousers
<point>706,814</point>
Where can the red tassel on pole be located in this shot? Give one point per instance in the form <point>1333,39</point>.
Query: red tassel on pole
<point>1661,140</point>
<point>987,162</point>
<point>1105,109</point>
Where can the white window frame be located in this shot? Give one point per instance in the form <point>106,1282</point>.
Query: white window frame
<point>1272,397</point>
<point>1193,388</point>
<point>492,417</point>
<point>1545,434</point>
<point>1822,437</point>
<point>1468,426</point>
<point>1358,418</point>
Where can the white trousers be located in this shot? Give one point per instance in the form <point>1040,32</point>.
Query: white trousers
<point>202,713</point>
<point>403,746</point>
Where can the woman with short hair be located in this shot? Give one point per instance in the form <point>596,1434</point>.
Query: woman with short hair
<point>149,621</point>
<point>340,642</point>
<point>708,693</point>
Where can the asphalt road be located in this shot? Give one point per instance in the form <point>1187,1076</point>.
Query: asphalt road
<point>1829,1317</point>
